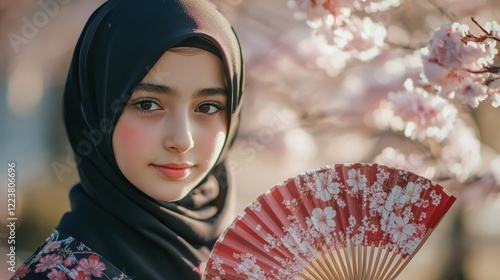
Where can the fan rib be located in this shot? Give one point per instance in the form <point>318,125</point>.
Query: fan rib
<point>317,274</point>
<point>371,269</point>
<point>388,263</point>
<point>362,249</point>
<point>332,261</point>
<point>379,269</point>
<point>407,260</point>
<point>354,257</point>
<point>397,265</point>
<point>322,263</point>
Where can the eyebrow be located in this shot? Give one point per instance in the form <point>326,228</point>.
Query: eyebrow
<point>162,89</point>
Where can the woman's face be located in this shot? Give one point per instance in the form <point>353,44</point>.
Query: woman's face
<point>174,126</point>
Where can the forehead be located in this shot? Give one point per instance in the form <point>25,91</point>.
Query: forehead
<point>185,58</point>
<point>187,70</point>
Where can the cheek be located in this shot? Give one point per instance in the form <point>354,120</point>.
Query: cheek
<point>219,140</point>
<point>129,138</point>
<point>214,147</point>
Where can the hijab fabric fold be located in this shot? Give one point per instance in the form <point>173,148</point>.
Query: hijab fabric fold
<point>145,238</point>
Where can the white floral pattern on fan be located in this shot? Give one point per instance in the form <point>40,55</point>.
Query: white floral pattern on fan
<point>330,209</point>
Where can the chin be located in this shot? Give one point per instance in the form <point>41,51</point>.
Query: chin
<point>174,197</point>
<point>182,191</point>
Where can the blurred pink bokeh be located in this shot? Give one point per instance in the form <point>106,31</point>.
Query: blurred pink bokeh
<point>306,106</point>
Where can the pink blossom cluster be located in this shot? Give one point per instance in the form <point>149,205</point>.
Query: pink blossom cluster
<point>314,10</point>
<point>376,5</point>
<point>461,153</point>
<point>325,56</point>
<point>459,65</point>
<point>333,20</point>
<point>456,71</point>
<point>338,8</point>
<point>363,38</point>
<point>425,115</point>
<point>414,161</point>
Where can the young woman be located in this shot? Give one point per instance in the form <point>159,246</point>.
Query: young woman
<point>151,107</point>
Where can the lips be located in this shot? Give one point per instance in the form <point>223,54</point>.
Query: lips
<point>174,171</point>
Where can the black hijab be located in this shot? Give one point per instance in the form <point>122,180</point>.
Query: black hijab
<point>145,238</point>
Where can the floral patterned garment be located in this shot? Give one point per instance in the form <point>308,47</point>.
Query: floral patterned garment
<point>62,257</point>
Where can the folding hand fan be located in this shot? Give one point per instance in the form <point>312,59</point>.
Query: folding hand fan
<point>346,221</point>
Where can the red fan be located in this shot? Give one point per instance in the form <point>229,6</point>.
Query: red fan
<point>347,221</point>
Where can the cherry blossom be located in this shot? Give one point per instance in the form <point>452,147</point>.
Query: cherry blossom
<point>357,239</point>
<point>57,275</point>
<point>310,10</point>
<point>78,275</point>
<point>385,221</point>
<point>21,271</point>
<point>425,115</point>
<point>436,197</point>
<point>325,187</point>
<point>333,21</point>
<point>461,152</point>
<point>377,201</point>
<point>256,206</point>
<point>327,57</point>
<point>414,161</point>
<point>295,243</point>
<point>495,98</point>
<point>48,262</point>
<point>69,261</point>
<point>412,244</point>
<point>51,246</point>
<point>249,268</point>
<point>399,228</point>
<point>392,198</point>
<point>447,49</point>
<point>472,93</point>
<point>91,266</point>
<point>356,180</point>
<point>323,219</point>
<point>217,264</point>
<point>411,193</point>
<point>376,5</point>
<point>492,27</point>
<point>455,60</point>
<point>315,8</point>
<point>361,37</point>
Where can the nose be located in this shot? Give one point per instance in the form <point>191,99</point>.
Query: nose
<point>179,138</point>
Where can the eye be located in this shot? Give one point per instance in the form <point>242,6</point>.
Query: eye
<point>145,105</point>
<point>210,108</point>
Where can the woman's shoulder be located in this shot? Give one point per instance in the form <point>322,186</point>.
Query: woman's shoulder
<point>63,257</point>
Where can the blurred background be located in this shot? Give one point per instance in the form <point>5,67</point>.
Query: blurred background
<point>306,105</point>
